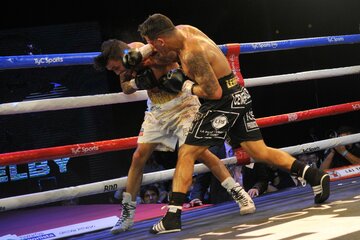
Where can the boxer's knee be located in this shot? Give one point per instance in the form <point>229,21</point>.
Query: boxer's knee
<point>140,156</point>
<point>188,154</point>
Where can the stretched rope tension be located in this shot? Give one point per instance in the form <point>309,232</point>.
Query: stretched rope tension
<point>76,150</point>
<point>40,198</point>
<point>115,98</point>
<point>230,50</point>
<point>56,60</point>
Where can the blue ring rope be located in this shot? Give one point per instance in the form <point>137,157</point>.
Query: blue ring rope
<point>69,59</point>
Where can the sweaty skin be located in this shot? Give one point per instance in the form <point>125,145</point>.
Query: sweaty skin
<point>160,65</point>
<point>203,62</point>
<point>201,59</point>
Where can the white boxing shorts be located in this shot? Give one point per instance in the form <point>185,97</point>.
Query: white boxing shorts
<point>168,123</point>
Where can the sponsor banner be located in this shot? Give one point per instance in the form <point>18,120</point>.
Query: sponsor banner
<point>71,230</point>
<point>9,237</point>
<point>344,172</point>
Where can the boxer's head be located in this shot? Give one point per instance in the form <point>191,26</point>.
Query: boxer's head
<point>155,29</point>
<point>111,55</point>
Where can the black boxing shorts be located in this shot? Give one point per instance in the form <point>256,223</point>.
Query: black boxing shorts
<point>229,118</point>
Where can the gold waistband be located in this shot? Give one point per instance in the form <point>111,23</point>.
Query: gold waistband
<point>161,97</point>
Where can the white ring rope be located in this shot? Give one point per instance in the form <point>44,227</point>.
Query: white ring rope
<point>70,102</point>
<point>302,76</point>
<point>119,183</point>
<point>114,98</point>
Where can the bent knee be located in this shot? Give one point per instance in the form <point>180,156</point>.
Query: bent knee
<point>189,154</point>
<point>184,156</point>
<point>138,158</point>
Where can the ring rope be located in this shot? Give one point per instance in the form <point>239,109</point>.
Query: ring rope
<point>16,62</point>
<point>73,150</point>
<point>269,46</point>
<point>70,59</point>
<point>308,114</point>
<point>76,150</point>
<point>241,157</point>
<point>114,98</point>
<point>302,76</point>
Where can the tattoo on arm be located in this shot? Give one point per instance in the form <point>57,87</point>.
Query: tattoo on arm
<point>164,60</point>
<point>200,68</point>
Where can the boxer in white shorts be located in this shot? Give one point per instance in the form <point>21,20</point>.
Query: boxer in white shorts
<point>167,124</point>
<point>167,119</point>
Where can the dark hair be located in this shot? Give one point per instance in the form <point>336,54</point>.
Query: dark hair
<point>112,49</point>
<point>155,25</point>
<point>149,187</point>
<point>346,129</point>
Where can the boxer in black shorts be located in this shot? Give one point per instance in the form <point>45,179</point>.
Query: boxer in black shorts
<point>226,110</point>
<point>229,118</point>
<point>167,120</point>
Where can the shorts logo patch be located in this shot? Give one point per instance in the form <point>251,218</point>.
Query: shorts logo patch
<point>240,98</point>
<point>214,125</point>
<point>250,121</point>
<point>219,122</point>
<point>198,116</point>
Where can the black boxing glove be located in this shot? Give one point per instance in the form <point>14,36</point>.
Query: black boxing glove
<point>144,79</point>
<point>176,81</point>
<point>134,56</point>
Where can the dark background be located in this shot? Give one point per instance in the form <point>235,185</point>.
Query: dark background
<point>81,26</point>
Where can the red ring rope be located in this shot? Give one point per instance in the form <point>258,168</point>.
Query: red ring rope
<point>308,114</point>
<point>82,149</point>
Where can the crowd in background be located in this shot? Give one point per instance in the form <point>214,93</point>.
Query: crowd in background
<point>257,178</point>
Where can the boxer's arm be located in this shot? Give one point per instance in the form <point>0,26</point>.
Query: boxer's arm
<point>134,56</point>
<point>175,81</point>
<point>207,86</point>
<point>125,77</point>
<point>125,84</point>
<point>158,59</point>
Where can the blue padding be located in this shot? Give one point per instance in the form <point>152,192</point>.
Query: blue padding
<point>224,48</point>
<point>56,60</point>
<point>298,43</point>
<point>50,60</point>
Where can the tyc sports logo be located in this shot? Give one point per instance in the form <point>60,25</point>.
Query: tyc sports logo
<point>335,39</point>
<point>47,60</point>
<point>84,150</point>
<point>263,45</point>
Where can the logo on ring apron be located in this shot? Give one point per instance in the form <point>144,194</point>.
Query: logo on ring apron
<point>219,122</point>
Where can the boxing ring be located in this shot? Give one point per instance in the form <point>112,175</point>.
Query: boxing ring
<point>280,210</point>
